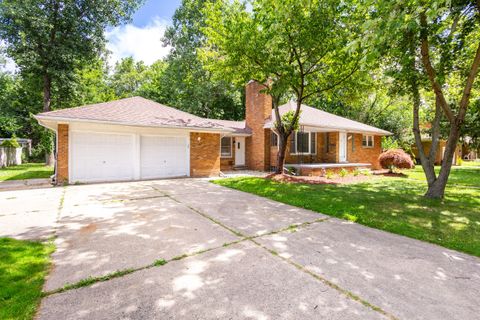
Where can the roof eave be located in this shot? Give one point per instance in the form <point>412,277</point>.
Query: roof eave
<point>269,125</point>
<point>41,118</point>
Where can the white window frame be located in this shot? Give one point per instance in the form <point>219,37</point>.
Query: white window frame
<point>278,140</point>
<point>368,138</point>
<point>225,155</point>
<point>310,133</point>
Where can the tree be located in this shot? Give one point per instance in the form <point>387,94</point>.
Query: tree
<point>188,85</point>
<point>370,97</point>
<point>128,76</point>
<point>296,47</point>
<point>434,48</point>
<point>50,39</point>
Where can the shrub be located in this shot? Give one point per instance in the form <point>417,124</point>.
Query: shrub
<point>329,174</point>
<point>343,172</point>
<point>12,143</point>
<point>459,161</point>
<point>389,143</point>
<point>356,172</point>
<point>366,172</point>
<point>395,158</point>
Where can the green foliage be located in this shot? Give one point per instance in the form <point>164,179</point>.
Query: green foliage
<point>12,143</point>
<point>392,204</point>
<point>160,262</point>
<point>289,120</point>
<point>127,77</point>
<point>389,143</point>
<point>329,174</point>
<point>24,266</point>
<point>186,84</point>
<point>356,172</point>
<point>343,173</point>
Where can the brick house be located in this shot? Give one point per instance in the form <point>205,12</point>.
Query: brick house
<point>136,139</point>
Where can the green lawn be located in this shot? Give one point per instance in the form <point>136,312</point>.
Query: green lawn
<point>465,175</point>
<point>392,204</point>
<point>23,267</point>
<point>26,171</point>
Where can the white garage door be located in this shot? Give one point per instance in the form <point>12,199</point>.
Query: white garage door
<point>101,157</point>
<point>162,157</point>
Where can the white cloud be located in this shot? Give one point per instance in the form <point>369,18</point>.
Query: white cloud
<point>142,43</point>
<point>9,66</point>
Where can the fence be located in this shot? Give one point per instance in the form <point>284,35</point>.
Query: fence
<point>10,156</point>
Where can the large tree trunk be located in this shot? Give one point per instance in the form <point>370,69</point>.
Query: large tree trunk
<point>47,89</point>
<point>437,188</point>
<point>282,148</point>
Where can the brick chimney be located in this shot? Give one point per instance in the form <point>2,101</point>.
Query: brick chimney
<point>258,109</point>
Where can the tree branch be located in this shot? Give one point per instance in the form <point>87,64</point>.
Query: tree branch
<point>425,51</point>
<point>354,69</point>
<point>469,84</point>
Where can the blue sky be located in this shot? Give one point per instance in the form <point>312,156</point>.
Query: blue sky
<point>155,8</point>
<point>141,38</point>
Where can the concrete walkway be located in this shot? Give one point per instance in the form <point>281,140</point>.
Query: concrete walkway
<point>231,255</point>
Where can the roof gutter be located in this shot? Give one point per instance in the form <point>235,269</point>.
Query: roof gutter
<point>39,118</point>
<point>379,132</point>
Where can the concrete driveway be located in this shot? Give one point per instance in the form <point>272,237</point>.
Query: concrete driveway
<point>230,255</point>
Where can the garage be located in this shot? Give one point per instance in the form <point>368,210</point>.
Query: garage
<point>163,157</point>
<point>99,157</point>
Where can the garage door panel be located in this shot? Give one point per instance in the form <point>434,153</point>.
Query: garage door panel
<point>163,156</point>
<point>102,157</point>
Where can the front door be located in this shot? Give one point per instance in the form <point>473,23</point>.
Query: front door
<point>239,151</point>
<point>343,147</point>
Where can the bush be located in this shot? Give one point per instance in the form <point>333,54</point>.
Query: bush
<point>12,143</point>
<point>395,158</point>
<point>329,174</point>
<point>343,172</point>
<point>356,172</point>
<point>389,143</point>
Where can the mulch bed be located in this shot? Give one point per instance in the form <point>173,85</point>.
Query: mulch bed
<point>316,179</point>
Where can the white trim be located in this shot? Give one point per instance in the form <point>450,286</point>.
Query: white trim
<point>373,141</point>
<point>69,120</point>
<point>312,128</point>
<point>309,144</point>
<point>231,153</point>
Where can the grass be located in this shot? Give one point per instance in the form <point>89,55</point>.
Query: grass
<point>465,175</point>
<point>396,205</point>
<point>23,267</point>
<point>26,171</point>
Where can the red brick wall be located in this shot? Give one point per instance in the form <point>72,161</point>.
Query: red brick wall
<point>204,154</point>
<point>358,154</point>
<point>258,108</point>
<point>361,154</point>
<point>62,153</point>
<point>322,155</point>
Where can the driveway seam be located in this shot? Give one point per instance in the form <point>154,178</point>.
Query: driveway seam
<point>298,266</point>
<point>89,281</point>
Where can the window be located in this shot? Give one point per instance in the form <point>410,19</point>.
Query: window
<point>304,143</point>
<point>226,147</point>
<point>273,139</point>
<point>367,141</point>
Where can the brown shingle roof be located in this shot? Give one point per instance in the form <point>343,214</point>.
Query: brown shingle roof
<point>135,111</point>
<point>312,117</point>
<point>239,127</point>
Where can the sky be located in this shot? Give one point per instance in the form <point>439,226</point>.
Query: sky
<point>140,39</point>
